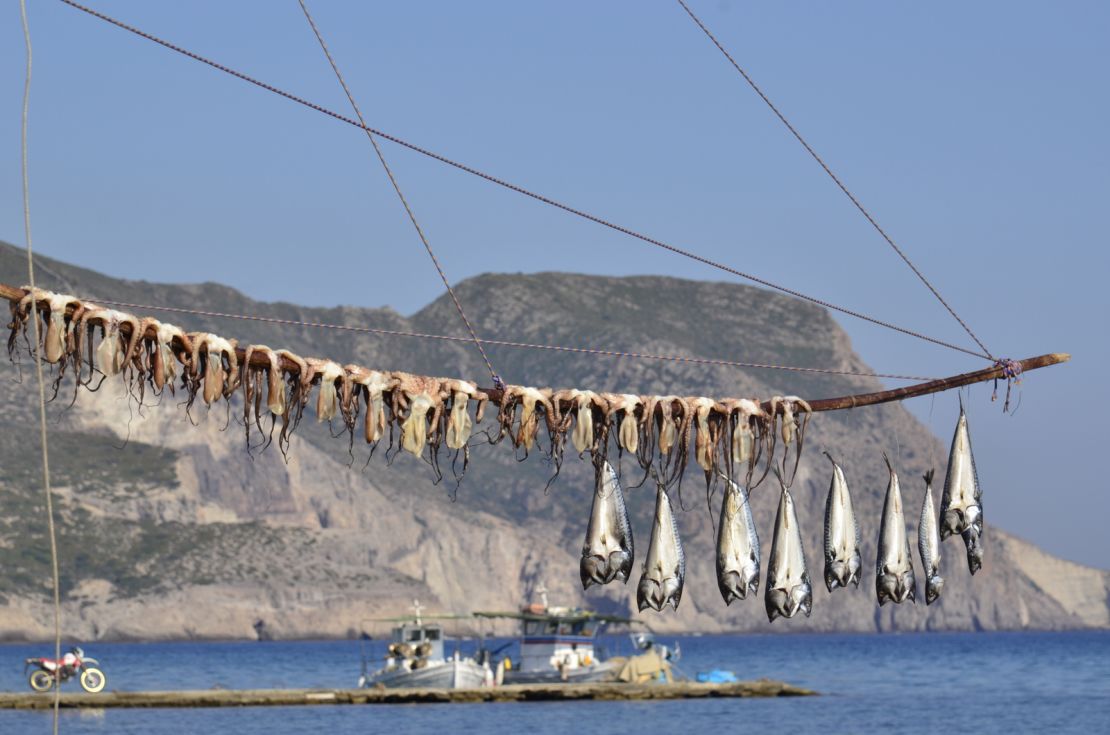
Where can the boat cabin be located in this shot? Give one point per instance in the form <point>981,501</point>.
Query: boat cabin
<point>424,640</point>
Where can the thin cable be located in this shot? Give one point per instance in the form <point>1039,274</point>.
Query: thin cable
<point>521,190</point>
<point>835,178</point>
<point>503,343</point>
<point>397,188</point>
<point>38,368</point>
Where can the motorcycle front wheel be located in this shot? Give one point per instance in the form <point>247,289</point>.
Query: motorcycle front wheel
<point>93,680</point>
<point>40,681</point>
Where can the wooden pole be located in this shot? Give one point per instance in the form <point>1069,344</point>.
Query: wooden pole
<point>994,372</point>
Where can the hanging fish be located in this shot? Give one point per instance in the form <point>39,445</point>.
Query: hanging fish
<point>842,535</point>
<point>665,568</point>
<point>737,546</point>
<point>788,586</point>
<point>928,543</point>
<point>894,580</point>
<point>961,505</point>
<point>608,551</point>
<point>972,540</point>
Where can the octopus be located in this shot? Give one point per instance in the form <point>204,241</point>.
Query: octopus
<point>115,350</point>
<point>160,363</point>
<point>297,397</point>
<point>795,414</point>
<point>328,373</point>
<point>459,424</point>
<point>582,404</point>
<point>374,385</point>
<point>213,363</point>
<point>708,430</point>
<point>531,402</point>
<point>665,422</point>
<point>746,419</point>
<point>420,396</point>
<point>58,342</point>
<point>621,410</point>
<point>252,383</point>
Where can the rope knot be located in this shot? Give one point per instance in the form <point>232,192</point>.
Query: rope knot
<point>1011,371</point>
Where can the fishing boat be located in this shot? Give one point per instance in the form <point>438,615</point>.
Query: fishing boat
<point>557,644</point>
<point>416,658</point>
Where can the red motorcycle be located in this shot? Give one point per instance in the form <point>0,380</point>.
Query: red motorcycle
<point>73,664</point>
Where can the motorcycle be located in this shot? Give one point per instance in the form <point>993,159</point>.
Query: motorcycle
<point>74,663</point>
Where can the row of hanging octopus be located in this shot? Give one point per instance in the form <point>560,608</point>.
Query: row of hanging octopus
<point>414,413</point>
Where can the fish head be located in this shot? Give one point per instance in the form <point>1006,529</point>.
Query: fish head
<point>886,588</point>
<point>801,598</point>
<point>933,587</point>
<point>775,601</point>
<point>974,550</point>
<point>594,569</point>
<point>837,574</point>
<point>953,522</point>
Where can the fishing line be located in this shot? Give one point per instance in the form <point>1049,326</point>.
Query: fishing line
<point>835,178</point>
<point>38,371</point>
<point>521,190</point>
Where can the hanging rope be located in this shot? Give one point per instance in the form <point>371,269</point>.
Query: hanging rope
<point>397,188</point>
<point>521,190</point>
<point>503,343</point>
<point>38,366</point>
<point>835,178</point>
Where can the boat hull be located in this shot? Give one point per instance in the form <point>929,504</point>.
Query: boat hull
<point>461,674</point>
<point>604,671</point>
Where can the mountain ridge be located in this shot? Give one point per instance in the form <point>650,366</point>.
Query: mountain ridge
<point>206,540</point>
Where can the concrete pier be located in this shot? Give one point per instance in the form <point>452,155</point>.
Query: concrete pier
<point>512,693</point>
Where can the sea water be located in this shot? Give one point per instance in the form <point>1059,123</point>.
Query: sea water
<point>908,683</point>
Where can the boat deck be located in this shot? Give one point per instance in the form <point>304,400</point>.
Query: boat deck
<point>510,693</point>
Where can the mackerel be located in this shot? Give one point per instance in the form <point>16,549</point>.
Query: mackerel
<point>665,568</point>
<point>928,543</point>
<point>737,546</point>
<point>788,585</point>
<point>842,535</point>
<point>608,552</point>
<point>961,505</point>
<point>894,580</point>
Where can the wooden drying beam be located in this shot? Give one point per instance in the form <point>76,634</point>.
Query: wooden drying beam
<point>994,372</point>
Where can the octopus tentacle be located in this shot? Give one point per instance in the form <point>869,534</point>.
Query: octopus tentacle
<point>375,385</point>
<point>296,396</point>
<point>328,373</point>
<point>795,414</point>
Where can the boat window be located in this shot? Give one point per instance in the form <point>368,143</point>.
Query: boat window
<point>414,635</point>
<point>432,635</point>
<point>533,627</point>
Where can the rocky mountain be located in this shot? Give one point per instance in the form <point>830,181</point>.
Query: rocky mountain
<point>170,528</point>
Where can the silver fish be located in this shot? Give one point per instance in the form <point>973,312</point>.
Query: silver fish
<point>842,536</point>
<point>737,546</point>
<point>961,505</point>
<point>894,580</point>
<point>607,553</point>
<point>665,568</point>
<point>788,586</point>
<point>928,543</point>
<point>972,540</point>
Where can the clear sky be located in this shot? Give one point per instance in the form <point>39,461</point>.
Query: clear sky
<point>975,132</point>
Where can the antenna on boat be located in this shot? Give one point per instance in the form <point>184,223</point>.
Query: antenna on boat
<point>416,608</point>
<point>542,592</point>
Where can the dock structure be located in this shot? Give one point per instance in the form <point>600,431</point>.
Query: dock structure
<point>511,693</point>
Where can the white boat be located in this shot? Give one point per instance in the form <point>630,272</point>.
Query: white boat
<point>415,658</point>
<point>557,646</point>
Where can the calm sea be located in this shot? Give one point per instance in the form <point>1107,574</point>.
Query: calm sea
<point>913,683</point>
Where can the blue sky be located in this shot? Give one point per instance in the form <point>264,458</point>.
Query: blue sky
<point>975,132</point>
